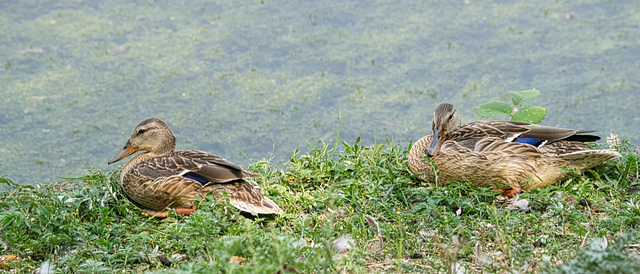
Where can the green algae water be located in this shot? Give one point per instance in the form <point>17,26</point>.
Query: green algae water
<point>254,80</point>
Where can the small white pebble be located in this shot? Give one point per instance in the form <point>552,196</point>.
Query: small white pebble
<point>522,204</point>
<point>46,267</point>
<point>458,268</point>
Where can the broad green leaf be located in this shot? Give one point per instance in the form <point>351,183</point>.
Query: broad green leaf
<point>520,98</point>
<point>493,109</point>
<point>530,114</point>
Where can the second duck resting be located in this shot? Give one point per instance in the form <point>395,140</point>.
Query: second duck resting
<point>162,178</point>
<point>512,156</point>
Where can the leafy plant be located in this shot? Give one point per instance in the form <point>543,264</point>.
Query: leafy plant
<point>598,257</point>
<point>529,114</point>
<point>363,191</point>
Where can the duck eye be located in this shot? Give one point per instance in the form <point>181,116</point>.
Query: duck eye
<point>451,116</point>
<point>140,131</point>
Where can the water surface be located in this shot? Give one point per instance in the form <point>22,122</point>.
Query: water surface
<point>257,80</point>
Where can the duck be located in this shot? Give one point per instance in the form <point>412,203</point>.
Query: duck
<point>508,155</point>
<point>161,178</point>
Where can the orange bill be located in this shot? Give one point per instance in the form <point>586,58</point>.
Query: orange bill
<point>126,151</point>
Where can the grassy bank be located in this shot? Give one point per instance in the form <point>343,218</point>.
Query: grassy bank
<point>354,208</point>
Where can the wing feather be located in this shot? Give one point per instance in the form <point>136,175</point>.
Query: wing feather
<point>196,163</point>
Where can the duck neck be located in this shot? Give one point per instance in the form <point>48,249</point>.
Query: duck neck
<point>140,158</point>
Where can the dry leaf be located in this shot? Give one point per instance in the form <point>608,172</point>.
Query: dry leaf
<point>376,246</point>
<point>180,257</point>
<point>372,222</point>
<point>342,244</point>
<point>5,259</point>
<point>237,260</point>
<point>428,233</point>
<point>480,256</point>
<point>456,241</point>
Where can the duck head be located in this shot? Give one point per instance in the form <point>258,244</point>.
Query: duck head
<point>445,120</point>
<point>151,135</point>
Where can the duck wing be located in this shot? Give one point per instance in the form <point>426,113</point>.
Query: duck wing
<point>469,134</point>
<point>198,165</point>
<point>554,134</point>
<point>519,132</point>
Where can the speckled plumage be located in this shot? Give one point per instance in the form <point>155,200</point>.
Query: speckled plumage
<point>485,154</point>
<point>162,177</point>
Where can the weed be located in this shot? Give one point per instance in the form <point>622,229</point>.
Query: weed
<point>359,192</point>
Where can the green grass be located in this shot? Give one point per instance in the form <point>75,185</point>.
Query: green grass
<point>585,224</point>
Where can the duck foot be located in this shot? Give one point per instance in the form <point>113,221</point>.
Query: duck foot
<point>510,192</point>
<point>165,213</point>
<point>185,211</point>
<point>157,214</point>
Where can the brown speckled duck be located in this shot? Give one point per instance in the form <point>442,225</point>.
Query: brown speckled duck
<point>512,156</point>
<point>162,178</point>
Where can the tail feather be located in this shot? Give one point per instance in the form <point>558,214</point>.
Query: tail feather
<point>265,206</point>
<point>589,158</point>
<point>244,196</point>
<point>583,138</point>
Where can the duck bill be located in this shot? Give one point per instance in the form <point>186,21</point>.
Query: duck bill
<point>437,139</point>
<point>126,151</point>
